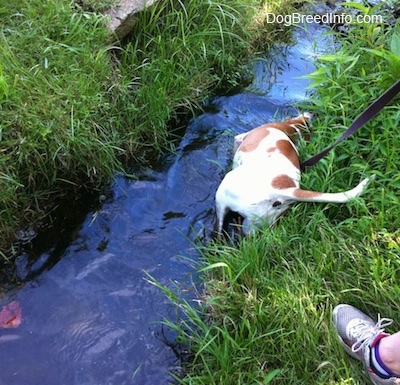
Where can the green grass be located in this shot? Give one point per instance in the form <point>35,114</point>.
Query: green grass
<point>179,53</point>
<point>74,110</point>
<point>54,75</point>
<point>266,308</point>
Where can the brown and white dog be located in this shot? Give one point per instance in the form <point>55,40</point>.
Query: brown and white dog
<point>264,180</point>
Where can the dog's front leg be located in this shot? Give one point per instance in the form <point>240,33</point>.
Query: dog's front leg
<point>221,211</point>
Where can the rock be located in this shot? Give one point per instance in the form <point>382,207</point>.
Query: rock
<point>122,15</point>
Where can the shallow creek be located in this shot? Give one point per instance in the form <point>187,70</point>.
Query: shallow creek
<point>89,316</point>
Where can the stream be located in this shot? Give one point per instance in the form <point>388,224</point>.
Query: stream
<point>89,315</point>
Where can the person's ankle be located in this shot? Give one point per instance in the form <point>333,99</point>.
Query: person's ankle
<point>388,356</point>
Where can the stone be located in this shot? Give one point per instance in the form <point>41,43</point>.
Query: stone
<point>121,15</point>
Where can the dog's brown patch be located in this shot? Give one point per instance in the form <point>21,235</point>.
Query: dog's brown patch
<point>253,139</point>
<point>284,127</point>
<point>282,182</point>
<point>305,194</point>
<point>287,150</point>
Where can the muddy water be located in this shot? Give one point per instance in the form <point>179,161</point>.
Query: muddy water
<point>89,316</point>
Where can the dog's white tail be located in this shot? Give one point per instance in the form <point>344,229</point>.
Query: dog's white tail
<point>342,197</point>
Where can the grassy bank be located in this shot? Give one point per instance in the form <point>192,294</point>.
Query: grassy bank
<point>74,110</point>
<point>268,300</point>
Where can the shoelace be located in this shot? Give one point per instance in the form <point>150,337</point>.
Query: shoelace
<point>363,332</point>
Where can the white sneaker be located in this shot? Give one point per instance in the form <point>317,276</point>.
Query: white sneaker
<point>357,333</point>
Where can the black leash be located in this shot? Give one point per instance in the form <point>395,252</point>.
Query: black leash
<point>362,119</point>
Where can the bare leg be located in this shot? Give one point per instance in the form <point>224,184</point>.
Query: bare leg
<point>389,350</point>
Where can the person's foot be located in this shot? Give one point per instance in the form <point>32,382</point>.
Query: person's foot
<point>358,333</point>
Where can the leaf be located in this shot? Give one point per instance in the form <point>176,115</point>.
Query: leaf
<point>351,4</point>
<point>215,265</point>
<point>341,58</point>
<point>381,53</point>
<point>11,315</point>
<point>271,376</point>
<point>318,77</point>
<point>395,45</point>
<point>328,57</point>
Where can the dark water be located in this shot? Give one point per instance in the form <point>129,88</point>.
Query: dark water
<point>89,316</point>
